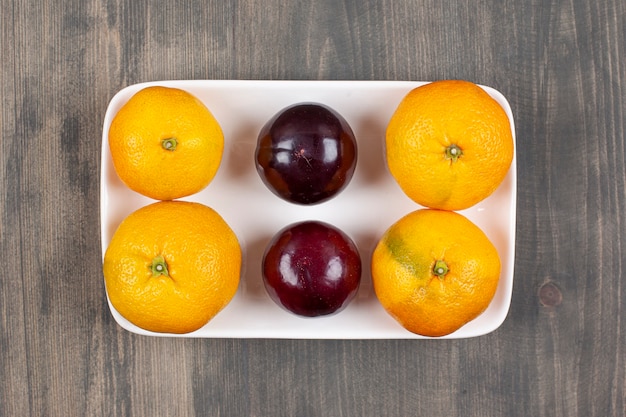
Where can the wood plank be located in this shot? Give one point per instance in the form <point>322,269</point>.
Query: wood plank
<point>559,353</point>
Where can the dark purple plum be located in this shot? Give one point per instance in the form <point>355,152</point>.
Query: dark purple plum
<point>306,154</point>
<point>311,269</point>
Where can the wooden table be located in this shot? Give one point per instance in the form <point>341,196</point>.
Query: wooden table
<point>561,350</point>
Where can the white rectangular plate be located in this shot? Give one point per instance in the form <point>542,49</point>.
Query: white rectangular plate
<point>364,210</point>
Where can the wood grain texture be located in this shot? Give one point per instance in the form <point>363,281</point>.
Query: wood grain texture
<point>560,64</point>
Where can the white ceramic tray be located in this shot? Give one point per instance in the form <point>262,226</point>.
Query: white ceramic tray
<point>364,210</point>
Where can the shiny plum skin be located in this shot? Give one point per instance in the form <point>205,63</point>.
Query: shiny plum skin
<point>311,269</point>
<point>306,154</point>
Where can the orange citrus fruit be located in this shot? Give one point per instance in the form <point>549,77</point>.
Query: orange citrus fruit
<point>434,271</point>
<point>449,144</point>
<point>165,143</point>
<point>171,266</point>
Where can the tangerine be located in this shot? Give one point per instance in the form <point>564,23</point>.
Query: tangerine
<point>449,144</point>
<point>171,266</point>
<point>165,143</point>
<point>434,271</point>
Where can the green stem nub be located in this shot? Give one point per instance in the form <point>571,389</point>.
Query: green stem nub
<point>440,269</point>
<point>453,152</point>
<point>159,267</point>
<point>169,144</point>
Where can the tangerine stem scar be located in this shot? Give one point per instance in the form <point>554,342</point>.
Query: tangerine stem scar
<point>159,266</point>
<point>169,144</point>
<point>440,269</point>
